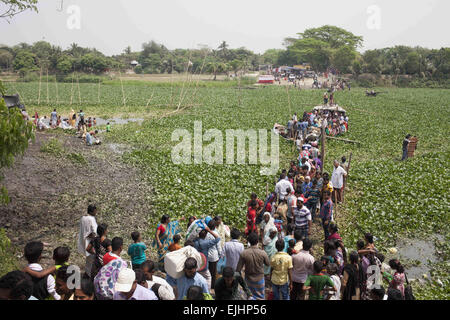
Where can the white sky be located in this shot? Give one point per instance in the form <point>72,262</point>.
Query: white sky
<point>112,25</point>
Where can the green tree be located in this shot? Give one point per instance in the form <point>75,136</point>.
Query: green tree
<point>24,62</point>
<point>223,51</point>
<point>324,46</point>
<point>6,59</point>
<point>10,8</point>
<point>216,68</point>
<point>271,56</point>
<point>412,63</point>
<point>65,64</point>
<point>343,59</point>
<point>15,133</point>
<point>316,52</point>
<point>335,37</point>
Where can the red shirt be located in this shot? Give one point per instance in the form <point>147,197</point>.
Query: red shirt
<point>334,236</point>
<point>161,229</point>
<point>107,258</point>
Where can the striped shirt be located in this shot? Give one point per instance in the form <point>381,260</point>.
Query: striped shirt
<point>301,217</point>
<point>326,210</point>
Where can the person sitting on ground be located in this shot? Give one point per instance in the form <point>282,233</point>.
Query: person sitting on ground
<point>43,288</point>
<point>86,291</point>
<point>16,285</point>
<point>127,288</point>
<point>227,287</point>
<point>91,139</point>
<point>160,286</point>
<point>318,282</point>
<point>136,250</point>
<point>108,127</point>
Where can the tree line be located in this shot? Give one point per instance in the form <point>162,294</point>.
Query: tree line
<point>324,48</point>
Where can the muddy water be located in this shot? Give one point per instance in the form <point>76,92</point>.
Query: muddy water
<point>101,121</point>
<point>418,250</point>
<point>118,148</point>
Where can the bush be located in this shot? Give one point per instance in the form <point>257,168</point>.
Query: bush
<point>8,261</point>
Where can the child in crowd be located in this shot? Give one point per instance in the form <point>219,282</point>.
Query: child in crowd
<point>176,243</point>
<point>137,250</point>
<point>44,288</point>
<point>332,270</point>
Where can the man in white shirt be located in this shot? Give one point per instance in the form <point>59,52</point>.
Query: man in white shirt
<point>126,288</point>
<point>88,231</point>
<point>337,180</point>
<point>302,263</point>
<point>165,290</point>
<point>43,287</point>
<point>233,250</point>
<point>281,186</point>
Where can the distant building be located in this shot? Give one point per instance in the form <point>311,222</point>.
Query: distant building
<point>134,63</point>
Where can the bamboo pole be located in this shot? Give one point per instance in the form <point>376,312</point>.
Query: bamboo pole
<point>79,92</point>
<point>56,89</point>
<point>71,90</point>
<point>40,80</point>
<point>345,178</point>
<point>98,92</point>
<point>48,102</point>
<point>121,85</point>
<point>345,140</point>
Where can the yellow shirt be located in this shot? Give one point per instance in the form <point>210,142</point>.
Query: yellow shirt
<point>281,262</point>
<point>328,187</point>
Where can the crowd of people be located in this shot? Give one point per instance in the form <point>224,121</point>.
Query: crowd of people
<point>86,128</point>
<point>271,259</point>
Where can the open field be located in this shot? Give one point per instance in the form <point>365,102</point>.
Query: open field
<point>392,199</point>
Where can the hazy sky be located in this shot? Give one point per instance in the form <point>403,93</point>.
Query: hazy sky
<point>112,25</point>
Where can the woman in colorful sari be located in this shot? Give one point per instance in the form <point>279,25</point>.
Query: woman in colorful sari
<point>164,237</point>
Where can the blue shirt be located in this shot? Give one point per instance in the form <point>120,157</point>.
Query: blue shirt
<point>137,252</point>
<point>306,187</point>
<point>184,283</point>
<point>88,139</point>
<point>203,245</point>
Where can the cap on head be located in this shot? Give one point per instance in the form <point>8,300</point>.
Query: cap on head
<point>125,280</point>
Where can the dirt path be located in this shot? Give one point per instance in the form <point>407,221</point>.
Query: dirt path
<point>50,191</point>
